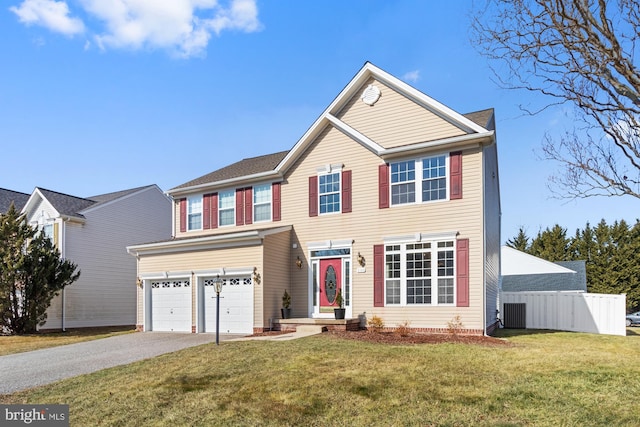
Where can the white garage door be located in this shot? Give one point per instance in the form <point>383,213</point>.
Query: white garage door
<point>171,305</point>
<point>236,306</point>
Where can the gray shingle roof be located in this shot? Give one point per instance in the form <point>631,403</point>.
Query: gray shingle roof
<point>549,282</point>
<point>66,204</point>
<point>244,167</point>
<point>481,118</point>
<point>7,196</point>
<point>69,205</point>
<point>104,198</point>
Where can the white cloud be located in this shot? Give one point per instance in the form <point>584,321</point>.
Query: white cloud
<point>50,14</point>
<point>411,76</point>
<point>183,27</point>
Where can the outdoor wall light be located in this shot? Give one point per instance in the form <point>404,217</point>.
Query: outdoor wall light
<point>139,282</point>
<point>256,276</point>
<point>299,263</point>
<point>361,260</point>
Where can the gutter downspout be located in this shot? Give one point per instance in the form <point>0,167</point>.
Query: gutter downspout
<point>64,253</point>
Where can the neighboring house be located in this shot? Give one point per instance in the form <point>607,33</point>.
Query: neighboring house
<point>389,196</point>
<point>93,233</point>
<point>522,272</point>
<point>9,196</point>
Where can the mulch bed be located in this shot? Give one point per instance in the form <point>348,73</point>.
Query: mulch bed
<point>413,338</point>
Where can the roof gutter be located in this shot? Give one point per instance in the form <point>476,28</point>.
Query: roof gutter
<point>272,174</point>
<point>245,238</point>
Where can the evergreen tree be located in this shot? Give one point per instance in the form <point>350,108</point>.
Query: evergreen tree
<point>551,244</point>
<point>32,272</point>
<point>520,242</point>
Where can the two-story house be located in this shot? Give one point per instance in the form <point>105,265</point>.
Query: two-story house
<point>94,232</point>
<point>390,197</point>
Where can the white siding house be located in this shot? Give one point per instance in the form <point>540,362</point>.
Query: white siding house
<point>93,233</point>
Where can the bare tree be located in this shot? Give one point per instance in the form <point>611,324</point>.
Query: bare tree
<point>581,53</point>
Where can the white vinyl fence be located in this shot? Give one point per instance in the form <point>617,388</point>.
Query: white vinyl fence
<point>571,311</point>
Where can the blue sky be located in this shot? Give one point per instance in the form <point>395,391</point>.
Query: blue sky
<point>103,95</point>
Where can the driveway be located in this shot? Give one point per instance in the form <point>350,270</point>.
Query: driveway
<point>35,368</point>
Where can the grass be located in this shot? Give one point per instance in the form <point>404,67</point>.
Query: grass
<point>10,344</point>
<point>544,379</point>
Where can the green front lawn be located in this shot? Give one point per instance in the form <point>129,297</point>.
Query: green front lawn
<point>546,378</point>
<point>10,344</point>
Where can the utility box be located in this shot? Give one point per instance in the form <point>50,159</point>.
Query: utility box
<point>515,315</point>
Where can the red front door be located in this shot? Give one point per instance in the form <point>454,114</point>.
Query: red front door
<point>330,283</point>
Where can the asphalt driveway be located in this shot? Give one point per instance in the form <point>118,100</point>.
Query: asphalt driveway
<point>35,368</point>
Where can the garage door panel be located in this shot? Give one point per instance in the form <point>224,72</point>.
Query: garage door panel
<point>171,305</point>
<point>236,306</point>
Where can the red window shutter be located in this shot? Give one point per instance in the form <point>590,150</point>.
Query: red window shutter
<point>248,205</point>
<point>378,275</point>
<point>313,195</point>
<point>462,272</point>
<point>346,191</point>
<point>455,171</point>
<point>239,206</point>
<point>214,210</point>
<point>383,186</point>
<point>206,211</point>
<point>276,201</point>
<point>183,215</point>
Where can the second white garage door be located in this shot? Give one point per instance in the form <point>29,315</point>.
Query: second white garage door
<point>236,306</point>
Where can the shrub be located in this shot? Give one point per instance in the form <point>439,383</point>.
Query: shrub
<point>403,329</point>
<point>375,324</point>
<point>455,325</point>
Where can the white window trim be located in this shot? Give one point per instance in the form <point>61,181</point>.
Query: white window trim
<point>332,169</point>
<point>253,196</point>
<point>434,268</point>
<point>418,180</point>
<point>232,208</point>
<point>191,213</point>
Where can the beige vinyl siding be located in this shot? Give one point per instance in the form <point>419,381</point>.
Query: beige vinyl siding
<point>243,257</point>
<point>395,120</point>
<point>105,293</point>
<point>367,225</point>
<point>276,278</point>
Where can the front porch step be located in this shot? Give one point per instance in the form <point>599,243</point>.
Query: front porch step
<point>309,329</point>
<point>326,324</point>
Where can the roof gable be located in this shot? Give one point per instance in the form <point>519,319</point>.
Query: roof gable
<point>459,130</point>
<point>515,262</point>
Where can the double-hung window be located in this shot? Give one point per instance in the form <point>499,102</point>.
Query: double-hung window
<point>422,180</point>
<point>420,273</point>
<point>262,202</point>
<point>194,213</point>
<point>226,208</point>
<point>329,192</point>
